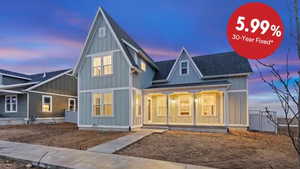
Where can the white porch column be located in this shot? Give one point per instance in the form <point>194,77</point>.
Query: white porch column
<point>168,109</point>
<point>226,108</point>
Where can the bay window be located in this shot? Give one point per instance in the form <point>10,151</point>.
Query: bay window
<point>209,104</point>
<point>161,103</point>
<point>184,105</point>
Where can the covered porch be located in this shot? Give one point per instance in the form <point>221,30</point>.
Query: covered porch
<point>186,107</point>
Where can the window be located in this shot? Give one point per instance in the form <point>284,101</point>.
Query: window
<point>11,103</point>
<point>143,66</point>
<point>138,104</point>
<point>102,32</point>
<point>47,103</point>
<point>184,67</point>
<point>102,104</point>
<point>161,103</point>
<point>184,105</point>
<point>208,105</point>
<point>102,65</point>
<point>71,104</point>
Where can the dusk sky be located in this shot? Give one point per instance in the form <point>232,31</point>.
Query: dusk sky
<point>41,35</point>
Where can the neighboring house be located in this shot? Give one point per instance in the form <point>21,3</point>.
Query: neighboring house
<point>120,87</point>
<point>38,97</point>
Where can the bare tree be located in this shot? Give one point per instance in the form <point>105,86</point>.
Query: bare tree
<point>286,89</point>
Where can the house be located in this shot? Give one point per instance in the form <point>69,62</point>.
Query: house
<point>39,97</point>
<point>120,87</point>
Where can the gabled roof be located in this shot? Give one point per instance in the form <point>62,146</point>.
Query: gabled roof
<point>36,79</point>
<point>229,63</point>
<point>14,74</point>
<point>123,36</point>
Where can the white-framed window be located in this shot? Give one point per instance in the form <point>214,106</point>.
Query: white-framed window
<point>143,66</point>
<point>184,67</point>
<point>138,104</point>
<point>185,105</point>
<point>72,104</point>
<point>209,104</point>
<point>102,104</point>
<point>101,32</point>
<point>102,65</point>
<point>11,103</point>
<point>161,105</point>
<point>46,103</point>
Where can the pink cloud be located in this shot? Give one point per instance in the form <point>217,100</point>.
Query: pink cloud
<point>18,54</point>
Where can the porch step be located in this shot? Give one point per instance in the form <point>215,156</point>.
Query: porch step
<point>208,129</point>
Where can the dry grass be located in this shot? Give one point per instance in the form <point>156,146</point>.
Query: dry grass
<point>236,150</point>
<point>6,163</point>
<point>59,135</point>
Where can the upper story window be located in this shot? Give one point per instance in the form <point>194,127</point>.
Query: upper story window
<point>101,32</point>
<point>11,103</point>
<point>184,67</point>
<point>102,65</point>
<point>143,66</point>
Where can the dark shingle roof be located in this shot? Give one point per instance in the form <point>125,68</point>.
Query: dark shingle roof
<point>222,64</point>
<point>40,76</point>
<point>164,69</point>
<point>210,65</point>
<point>7,72</point>
<point>206,83</point>
<point>121,34</point>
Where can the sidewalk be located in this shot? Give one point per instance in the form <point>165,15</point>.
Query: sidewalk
<point>119,143</point>
<point>68,158</point>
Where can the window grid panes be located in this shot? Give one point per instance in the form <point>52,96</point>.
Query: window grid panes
<point>184,67</point>
<point>10,103</point>
<point>47,104</point>
<point>102,65</point>
<point>102,104</point>
<point>208,105</point>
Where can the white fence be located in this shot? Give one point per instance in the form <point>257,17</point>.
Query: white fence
<point>260,121</point>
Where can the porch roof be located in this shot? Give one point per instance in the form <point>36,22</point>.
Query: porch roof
<point>3,91</point>
<point>206,83</point>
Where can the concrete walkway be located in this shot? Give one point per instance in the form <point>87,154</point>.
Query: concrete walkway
<point>122,142</point>
<point>61,157</point>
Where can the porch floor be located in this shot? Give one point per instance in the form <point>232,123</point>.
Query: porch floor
<point>209,129</point>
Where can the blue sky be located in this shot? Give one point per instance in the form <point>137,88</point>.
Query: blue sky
<point>39,36</point>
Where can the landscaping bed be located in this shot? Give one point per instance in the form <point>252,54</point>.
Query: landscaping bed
<point>236,150</point>
<point>65,135</point>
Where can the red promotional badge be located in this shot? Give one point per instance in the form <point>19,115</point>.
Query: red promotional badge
<point>255,30</point>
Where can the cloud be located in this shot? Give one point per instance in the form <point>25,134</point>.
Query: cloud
<point>18,54</point>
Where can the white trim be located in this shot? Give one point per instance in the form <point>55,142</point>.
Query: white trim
<point>105,53</point>
<point>104,90</point>
<point>186,87</point>
<point>177,60</point>
<point>15,76</point>
<point>127,43</point>
<point>130,98</point>
<point>11,91</point>
<point>46,81</point>
<point>103,126</point>
<point>85,42</point>
<point>242,90</point>
<point>227,75</point>
<point>78,101</point>
<point>188,69</point>
<point>10,105</point>
<point>102,104</point>
<point>43,102</point>
<point>54,94</point>
<point>115,36</point>
<point>16,85</point>
<point>285,125</point>
<point>75,105</point>
<point>27,108</point>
